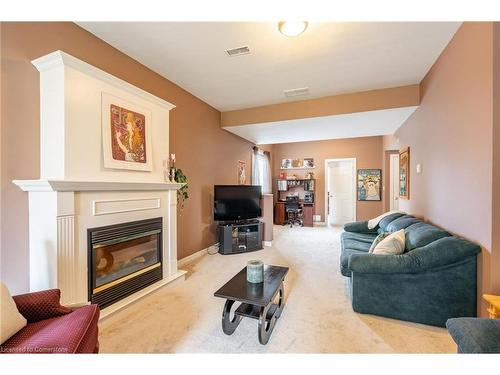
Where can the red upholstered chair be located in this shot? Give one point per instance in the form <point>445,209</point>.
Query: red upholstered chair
<point>53,328</point>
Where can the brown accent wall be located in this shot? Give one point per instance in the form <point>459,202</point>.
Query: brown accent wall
<point>207,154</point>
<point>366,150</point>
<point>450,135</point>
<point>372,100</point>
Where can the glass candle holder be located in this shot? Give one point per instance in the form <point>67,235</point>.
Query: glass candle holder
<point>255,271</point>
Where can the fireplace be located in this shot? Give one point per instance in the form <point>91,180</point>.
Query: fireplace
<point>123,258</point>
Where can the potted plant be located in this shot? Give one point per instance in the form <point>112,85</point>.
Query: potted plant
<point>182,193</point>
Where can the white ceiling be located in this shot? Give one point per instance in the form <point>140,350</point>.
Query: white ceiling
<point>329,58</point>
<point>361,124</point>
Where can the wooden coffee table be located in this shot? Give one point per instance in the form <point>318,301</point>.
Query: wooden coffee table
<point>257,301</point>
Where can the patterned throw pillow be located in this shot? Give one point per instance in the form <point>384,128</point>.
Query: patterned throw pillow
<point>379,238</point>
<point>393,244</point>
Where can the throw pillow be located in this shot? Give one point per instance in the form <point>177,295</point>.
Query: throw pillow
<point>393,244</point>
<point>377,240</point>
<point>12,320</point>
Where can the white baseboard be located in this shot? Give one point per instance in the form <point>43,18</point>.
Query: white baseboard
<point>267,243</point>
<point>319,223</point>
<point>194,256</point>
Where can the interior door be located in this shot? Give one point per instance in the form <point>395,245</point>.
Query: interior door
<point>341,191</point>
<point>394,183</point>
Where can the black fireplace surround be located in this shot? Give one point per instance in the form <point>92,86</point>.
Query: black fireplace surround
<point>122,259</point>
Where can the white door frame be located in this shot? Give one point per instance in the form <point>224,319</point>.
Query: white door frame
<point>327,178</point>
<point>392,193</point>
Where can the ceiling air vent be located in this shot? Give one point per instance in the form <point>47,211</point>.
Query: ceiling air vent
<point>238,51</point>
<point>296,92</point>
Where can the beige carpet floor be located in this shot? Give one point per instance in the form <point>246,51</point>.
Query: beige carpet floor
<point>317,318</point>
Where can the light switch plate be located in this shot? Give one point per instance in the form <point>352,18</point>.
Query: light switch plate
<point>419,168</point>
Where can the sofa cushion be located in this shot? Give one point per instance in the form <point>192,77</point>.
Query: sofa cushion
<point>11,320</point>
<point>355,244</point>
<point>373,223</point>
<point>387,220</point>
<point>475,335</point>
<point>70,333</point>
<point>421,234</point>
<point>361,237</point>
<point>358,227</point>
<point>402,223</point>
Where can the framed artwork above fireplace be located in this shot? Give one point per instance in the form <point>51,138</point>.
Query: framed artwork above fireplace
<point>126,134</point>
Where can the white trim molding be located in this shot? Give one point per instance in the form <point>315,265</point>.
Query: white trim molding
<point>114,206</point>
<point>64,185</point>
<point>59,58</point>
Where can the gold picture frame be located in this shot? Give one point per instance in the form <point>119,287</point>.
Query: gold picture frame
<point>404,173</point>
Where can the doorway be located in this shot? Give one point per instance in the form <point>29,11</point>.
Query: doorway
<point>394,182</point>
<point>340,191</point>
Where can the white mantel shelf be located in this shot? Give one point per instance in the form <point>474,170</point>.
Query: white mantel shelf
<point>60,185</point>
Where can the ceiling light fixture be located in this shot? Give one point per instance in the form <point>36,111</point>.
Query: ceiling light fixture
<point>292,28</point>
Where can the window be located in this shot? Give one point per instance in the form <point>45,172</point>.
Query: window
<point>261,170</point>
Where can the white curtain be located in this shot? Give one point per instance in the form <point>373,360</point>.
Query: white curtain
<point>261,171</point>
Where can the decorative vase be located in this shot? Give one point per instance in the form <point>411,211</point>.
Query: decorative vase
<point>172,174</point>
<point>255,271</point>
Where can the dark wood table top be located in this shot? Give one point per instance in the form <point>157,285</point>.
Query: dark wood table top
<point>238,289</point>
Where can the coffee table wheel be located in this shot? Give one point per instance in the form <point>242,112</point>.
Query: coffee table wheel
<point>267,323</point>
<point>229,325</point>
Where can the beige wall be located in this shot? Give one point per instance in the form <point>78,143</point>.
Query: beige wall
<point>372,100</point>
<point>207,154</point>
<point>366,150</point>
<point>450,135</point>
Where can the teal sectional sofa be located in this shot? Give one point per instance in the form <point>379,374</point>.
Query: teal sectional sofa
<point>433,280</point>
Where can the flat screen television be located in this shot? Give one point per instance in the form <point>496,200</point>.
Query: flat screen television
<point>237,202</point>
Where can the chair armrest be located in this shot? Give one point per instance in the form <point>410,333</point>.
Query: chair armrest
<point>42,305</point>
<point>440,253</point>
<point>359,227</point>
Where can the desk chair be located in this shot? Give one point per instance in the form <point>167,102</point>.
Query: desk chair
<point>293,211</point>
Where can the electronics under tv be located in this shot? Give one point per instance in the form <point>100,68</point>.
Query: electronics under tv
<point>237,202</point>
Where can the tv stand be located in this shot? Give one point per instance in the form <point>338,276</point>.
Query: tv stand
<point>240,236</point>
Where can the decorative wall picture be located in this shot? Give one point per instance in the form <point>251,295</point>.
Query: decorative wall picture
<point>286,163</point>
<point>308,163</point>
<point>404,173</point>
<point>126,134</point>
<point>241,172</point>
<point>369,184</point>
<point>297,163</point>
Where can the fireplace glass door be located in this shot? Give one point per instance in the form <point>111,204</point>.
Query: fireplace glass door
<point>123,258</point>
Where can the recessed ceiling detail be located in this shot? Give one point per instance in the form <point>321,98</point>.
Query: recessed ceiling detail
<point>352,125</point>
<point>330,58</point>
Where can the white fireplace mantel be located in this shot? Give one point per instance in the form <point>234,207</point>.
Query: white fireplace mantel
<point>63,185</point>
<point>76,191</point>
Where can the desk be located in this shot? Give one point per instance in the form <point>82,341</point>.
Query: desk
<point>307,211</point>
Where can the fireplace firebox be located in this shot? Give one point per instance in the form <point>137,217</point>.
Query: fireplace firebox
<point>123,258</point>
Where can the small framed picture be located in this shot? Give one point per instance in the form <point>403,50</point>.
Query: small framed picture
<point>369,184</point>
<point>286,163</point>
<point>308,162</point>
<point>241,172</point>
<point>404,173</point>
